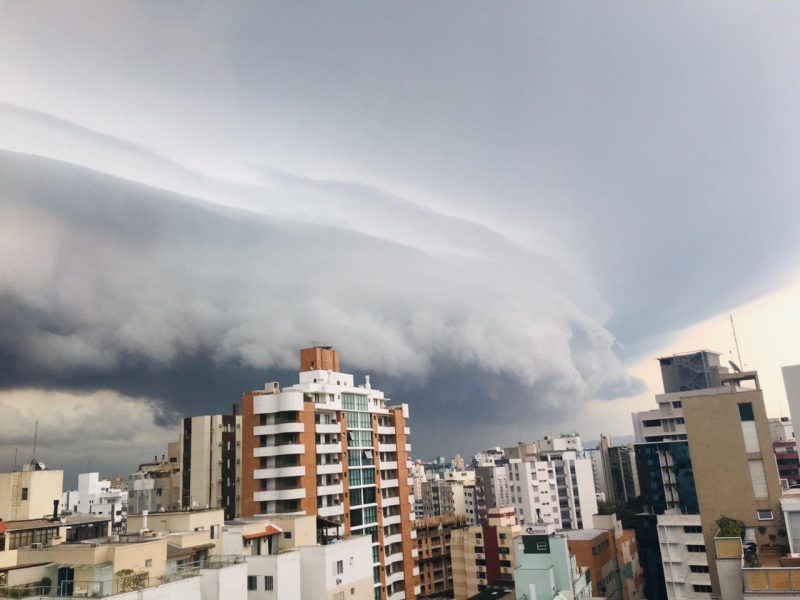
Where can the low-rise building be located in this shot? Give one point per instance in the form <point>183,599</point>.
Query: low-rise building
<point>29,493</point>
<point>96,496</point>
<point>546,569</point>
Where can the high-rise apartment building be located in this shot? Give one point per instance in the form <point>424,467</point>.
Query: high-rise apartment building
<point>618,464</point>
<point>328,447</point>
<point>211,466</point>
<point>434,558</point>
<point>552,482</point>
<point>482,554</point>
<point>735,472</point>
<point>785,447</point>
<point>492,481</point>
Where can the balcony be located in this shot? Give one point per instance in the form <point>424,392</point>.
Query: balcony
<point>386,430</point>
<point>329,469</point>
<point>387,447</point>
<point>335,448</point>
<point>279,450</point>
<point>331,511</point>
<point>327,490</point>
<point>391,501</point>
<point>387,465</point>
<point>288,494</point>
<point>389,483</point>
<point>393,520</point>
<point>393,539</point>
<point>328,428</point>
<point>290,427</point>
<point>298,471</point>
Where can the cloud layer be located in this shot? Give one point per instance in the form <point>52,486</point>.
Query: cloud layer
<point>120,276</point>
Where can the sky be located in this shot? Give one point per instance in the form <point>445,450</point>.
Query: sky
<point>502,213</point>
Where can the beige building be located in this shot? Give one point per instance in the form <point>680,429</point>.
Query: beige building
<point>328,447</point>
<point>211,463</point>
<point>434,558</point>
<point>483,553</point>
<point>735,471</point>
<point>30,492</point>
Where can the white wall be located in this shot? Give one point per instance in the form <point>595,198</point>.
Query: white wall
<point>318,569</point>
<point>229,583</point>
<point>285,572</point>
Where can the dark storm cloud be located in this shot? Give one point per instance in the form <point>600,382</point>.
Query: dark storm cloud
<point>116,285</point>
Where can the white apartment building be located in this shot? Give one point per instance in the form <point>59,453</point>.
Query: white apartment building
<point>328,447</point>
<point>30,492</point>
<point>553,486</point>
<point>683,555</point>
<point>493,480</point>
<point>95,496</point>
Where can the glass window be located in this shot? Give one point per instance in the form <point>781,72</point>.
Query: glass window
<point>252,582</point>
<point>268,583</point>
<point>746,411</point>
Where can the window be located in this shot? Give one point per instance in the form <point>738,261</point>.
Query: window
<point>695,548</point>
<point>267,583</point>
<point>148,562</point>
<point>698,568</point>
<point>702,588</point>
<point>339,567</point>
<point>765,515</point>
<point>287,535</point>
<point>692,529</point>
<point>746,411</point>
<point>758,478</point>
<point>24,493</point>
<point>214,532</point>
<point>252,583</point>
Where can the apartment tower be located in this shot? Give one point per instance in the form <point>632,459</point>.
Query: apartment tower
<point>327,447</point>
<point>211,463</point>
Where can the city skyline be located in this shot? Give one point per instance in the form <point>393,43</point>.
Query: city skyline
<point>503,235</point>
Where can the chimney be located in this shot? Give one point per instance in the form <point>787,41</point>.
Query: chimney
<point>55,510</point>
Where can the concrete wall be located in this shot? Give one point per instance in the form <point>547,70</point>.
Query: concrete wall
<point>318,570</point>
<point>42,488</point>
<point>229,583</point>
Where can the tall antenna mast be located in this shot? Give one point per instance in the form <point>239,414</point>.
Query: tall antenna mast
<point>35,439</point>
<point>736,342</point>
<point>16,451</point>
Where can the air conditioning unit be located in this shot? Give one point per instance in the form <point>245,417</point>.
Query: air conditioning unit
<point>339,581</point>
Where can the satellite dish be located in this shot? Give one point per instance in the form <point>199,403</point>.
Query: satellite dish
<point>734,366</point>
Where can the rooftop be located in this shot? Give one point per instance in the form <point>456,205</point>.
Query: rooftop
<point>583,534</point>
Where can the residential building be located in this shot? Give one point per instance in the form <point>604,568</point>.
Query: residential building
<point>685,563</point>
<point>552,482</point>
<point>433,552</point>
<point>483,553</point>
<point>546,569</point>
<point>328,447</point>
<point>156,486</point>
<point>95,496</point>
<point>599,474</point>
<point>619,473</point>
<point>785,447</point>
<point>493,481</point>
<point>30,492</point>
<point>211,457</point>
<point>489,457</point>
<point>610,555</point>
<point>741,446</point>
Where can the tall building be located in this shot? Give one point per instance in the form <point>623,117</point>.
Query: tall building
<point>492,480</point>
<point>552,482</point>
<point>327,447</point>
<point>482,554</point>
<point>156,486</point>
<point>619,474</point>
<point>735,472</point>
<point>211,463</point>
<point>434,536</point>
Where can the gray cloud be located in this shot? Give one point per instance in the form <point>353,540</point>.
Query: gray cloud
<point>509,197</point>
<point>123,277</point>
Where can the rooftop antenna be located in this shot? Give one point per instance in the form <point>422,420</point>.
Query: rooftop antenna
<point>35,439</point>
<point>16,452</point>
<point>736,341</point>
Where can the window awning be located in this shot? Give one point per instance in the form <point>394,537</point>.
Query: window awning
<point>268,530</point>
